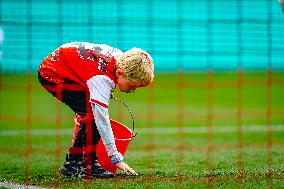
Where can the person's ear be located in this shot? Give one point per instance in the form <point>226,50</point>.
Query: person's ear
<point>119,72</point>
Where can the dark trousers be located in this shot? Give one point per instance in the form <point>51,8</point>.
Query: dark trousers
<point>86,135</point>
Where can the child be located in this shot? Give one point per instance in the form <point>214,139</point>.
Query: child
<point>83,75</point>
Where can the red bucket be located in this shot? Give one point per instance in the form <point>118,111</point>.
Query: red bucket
<point>122,135</point>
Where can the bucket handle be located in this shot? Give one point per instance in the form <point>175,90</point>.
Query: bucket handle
<point>133,134</point>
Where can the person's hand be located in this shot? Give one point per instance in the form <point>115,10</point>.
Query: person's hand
<point>128,170</point>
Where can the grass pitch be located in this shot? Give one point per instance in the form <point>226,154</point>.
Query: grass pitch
<point>178,159</point>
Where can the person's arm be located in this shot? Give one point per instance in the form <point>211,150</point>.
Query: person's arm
<point>104,128</point>
<point>103,124</point>
<point>100,90</point>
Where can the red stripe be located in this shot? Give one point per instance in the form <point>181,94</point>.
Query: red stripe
<point>90,148</point>
<point>99,103</point>
<point>65,87</point>
<point>76,128</point>
<point>76,150</point>
<point>87,150</point>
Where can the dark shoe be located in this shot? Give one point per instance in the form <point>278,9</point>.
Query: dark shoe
<point>73,168</point>
<point>77,169</point>
<point>99,172</point>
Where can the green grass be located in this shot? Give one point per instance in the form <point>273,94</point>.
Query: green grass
<point>178,160</point>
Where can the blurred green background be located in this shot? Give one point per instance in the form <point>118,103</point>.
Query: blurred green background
<point>173,144</point>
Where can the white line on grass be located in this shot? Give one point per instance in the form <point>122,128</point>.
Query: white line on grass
<point>204,129</point>
<point>155,130</point>
<point>18,186</point>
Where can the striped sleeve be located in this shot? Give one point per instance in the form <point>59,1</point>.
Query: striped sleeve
<point>100,87</point>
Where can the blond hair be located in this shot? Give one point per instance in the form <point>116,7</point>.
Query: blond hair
<point>137,66</point>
